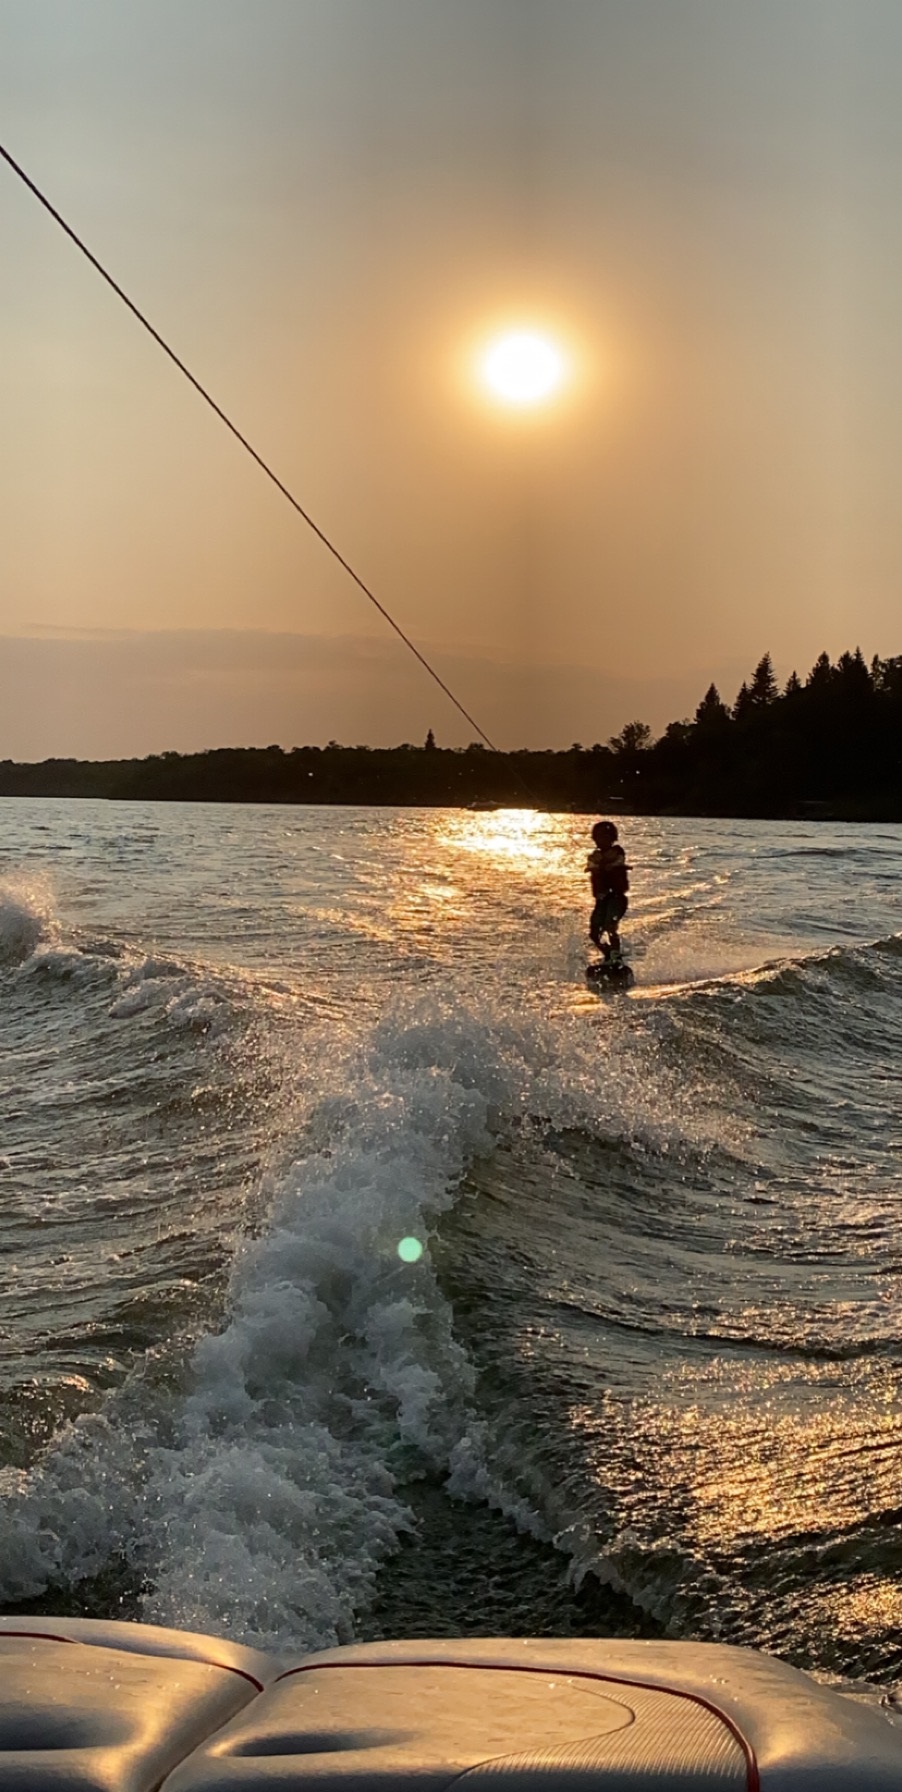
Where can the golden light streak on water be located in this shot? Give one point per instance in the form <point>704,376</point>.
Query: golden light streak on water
<point>515,836</point>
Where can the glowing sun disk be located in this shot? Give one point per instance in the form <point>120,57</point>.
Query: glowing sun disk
<point>523,368</point>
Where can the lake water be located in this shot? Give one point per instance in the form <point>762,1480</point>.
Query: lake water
<point>645,1375</point>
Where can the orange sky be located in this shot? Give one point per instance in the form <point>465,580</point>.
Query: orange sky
<point>323,203</point>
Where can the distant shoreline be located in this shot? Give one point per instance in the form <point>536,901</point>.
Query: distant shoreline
<point>583,781</point>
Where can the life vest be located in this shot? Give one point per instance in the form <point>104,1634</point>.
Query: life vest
<point>609,871</point>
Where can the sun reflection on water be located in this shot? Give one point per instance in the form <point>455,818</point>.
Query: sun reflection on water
<point>524,836</point>
<point>465,887</point>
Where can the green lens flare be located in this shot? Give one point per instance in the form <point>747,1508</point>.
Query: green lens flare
<point>410,1250</point>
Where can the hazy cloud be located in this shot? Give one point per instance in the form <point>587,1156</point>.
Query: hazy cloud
<point>94,694</point>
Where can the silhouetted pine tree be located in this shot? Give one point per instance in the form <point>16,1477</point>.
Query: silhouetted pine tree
<point>712,715</point>
<point>820,678</point>
<point>763,688</point>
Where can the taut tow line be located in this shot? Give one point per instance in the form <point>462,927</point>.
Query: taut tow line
<point>248,446</point>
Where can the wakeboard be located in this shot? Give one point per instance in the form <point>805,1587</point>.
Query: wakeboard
<point>605,978</point>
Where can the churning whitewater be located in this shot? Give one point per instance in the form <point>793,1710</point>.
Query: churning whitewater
<point>644,1376</point>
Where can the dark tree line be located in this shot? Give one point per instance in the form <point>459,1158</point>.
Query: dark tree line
<point>829,746</point>
<point>832,744</point>
<point>426,776</point>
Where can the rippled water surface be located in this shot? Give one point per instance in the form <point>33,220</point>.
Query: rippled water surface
<point>645,1375</point>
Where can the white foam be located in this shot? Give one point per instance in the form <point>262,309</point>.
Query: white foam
<point>138,995</point>
<point>174,991</point>
<point>81,1507</point>
<point>337,1367</point>
<point>262,1503</point>
<point>27,916</point>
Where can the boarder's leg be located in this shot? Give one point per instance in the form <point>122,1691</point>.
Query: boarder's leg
<point>618,911</point>
<point>595,925</point>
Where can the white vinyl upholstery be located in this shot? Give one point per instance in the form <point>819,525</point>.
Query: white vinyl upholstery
<point>94,1719</point>
<point>425,1727</point>
<point>112,1707</point>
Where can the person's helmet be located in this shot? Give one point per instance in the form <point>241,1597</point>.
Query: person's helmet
<point>603,833</point>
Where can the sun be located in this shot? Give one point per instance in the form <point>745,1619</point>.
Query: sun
<point>523,368</point>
